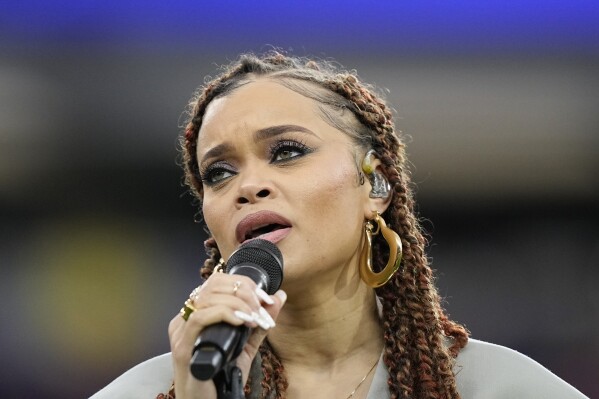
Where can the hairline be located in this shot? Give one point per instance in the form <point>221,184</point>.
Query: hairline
<point>332,107</point>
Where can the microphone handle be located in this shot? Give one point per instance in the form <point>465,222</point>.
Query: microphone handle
<point>216,346</point>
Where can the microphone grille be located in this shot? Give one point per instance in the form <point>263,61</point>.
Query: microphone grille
<point>263,254</point>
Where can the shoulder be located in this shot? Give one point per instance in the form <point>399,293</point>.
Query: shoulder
<point>146,380</point>
<point>489,371</point>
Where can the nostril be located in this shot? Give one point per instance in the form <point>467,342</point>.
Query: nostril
<point>263,193</point>
<point>248,196</point>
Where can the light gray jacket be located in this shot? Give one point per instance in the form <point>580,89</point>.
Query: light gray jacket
<point>483,371</point>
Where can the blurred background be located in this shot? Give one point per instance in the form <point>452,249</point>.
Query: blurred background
<point>98,244</point>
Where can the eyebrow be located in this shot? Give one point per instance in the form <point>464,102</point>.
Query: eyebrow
<point>273,131</point>
<point>216,152</point>
<point>259,135</point>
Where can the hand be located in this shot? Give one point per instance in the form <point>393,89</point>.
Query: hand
<point>232,299</point>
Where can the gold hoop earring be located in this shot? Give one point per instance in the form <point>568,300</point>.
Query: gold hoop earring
<point>369,276</point>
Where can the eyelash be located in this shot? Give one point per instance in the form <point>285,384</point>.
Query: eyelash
<point>207,174</point>
<point>288,145</point>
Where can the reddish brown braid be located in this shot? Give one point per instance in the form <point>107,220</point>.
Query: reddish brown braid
<point>421,342</point>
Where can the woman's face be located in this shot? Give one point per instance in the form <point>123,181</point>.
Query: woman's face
<point>272,167</point>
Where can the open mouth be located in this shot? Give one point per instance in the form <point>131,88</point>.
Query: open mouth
<point>262,230</point>
<point>265,224</point>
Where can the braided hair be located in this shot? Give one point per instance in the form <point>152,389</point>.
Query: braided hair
<point>420,341</point>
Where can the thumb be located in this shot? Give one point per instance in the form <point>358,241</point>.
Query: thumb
<point>259,334</point>
<point>244,361</point>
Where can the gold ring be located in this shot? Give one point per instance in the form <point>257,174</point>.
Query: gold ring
<point>187,309</point>
<point>236,287</point>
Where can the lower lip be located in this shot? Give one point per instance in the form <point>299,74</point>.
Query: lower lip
<point>273,236</point>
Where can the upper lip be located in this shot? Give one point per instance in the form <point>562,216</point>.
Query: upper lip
<point>257,220</point>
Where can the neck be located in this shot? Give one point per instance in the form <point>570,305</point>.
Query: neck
<point>328,330</point>
<point>321,329</point>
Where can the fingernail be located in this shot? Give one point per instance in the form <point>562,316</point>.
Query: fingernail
<point>282,295</point>
<point>261,322</point>
<point>264,296</point>
<point>266,317</point>
<point>243,316</point>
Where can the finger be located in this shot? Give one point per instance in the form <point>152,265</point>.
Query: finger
<point>235,286</point>
<point>225,283</point>
<point>184,334</point>
<point>202,318</point>
<point>252,314</point>
<point>175,324</point>
<point>264,297</point>
<point>233,302</point>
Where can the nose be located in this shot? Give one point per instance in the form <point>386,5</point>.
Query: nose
<point>254,187</point>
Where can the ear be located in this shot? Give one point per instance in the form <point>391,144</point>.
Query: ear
<point>376,203</point>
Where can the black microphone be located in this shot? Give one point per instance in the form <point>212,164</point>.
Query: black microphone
<point>220,343</point>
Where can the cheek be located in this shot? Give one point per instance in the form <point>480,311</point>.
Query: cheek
<point>208,215</point>
<point>207,211</point>
<point>341,177</point>
<point>333,191</point>
<point>212,214</point>
<point>329,216</point>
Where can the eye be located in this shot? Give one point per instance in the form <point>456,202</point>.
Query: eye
<point>288,149</point>
<point>216,173</point>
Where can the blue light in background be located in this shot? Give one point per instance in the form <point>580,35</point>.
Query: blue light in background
<point>419,26</point>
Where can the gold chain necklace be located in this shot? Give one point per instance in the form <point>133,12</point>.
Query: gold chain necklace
<point>363,379</point>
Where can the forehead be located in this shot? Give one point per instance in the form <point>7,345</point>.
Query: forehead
<point>256,104</point>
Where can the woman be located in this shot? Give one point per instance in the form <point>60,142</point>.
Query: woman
<point>306,156</point>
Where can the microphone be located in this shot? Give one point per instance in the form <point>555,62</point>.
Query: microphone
<point>220,343</point>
